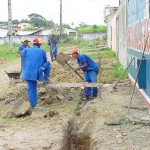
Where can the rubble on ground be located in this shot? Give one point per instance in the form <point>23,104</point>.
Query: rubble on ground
<point>47,96</point>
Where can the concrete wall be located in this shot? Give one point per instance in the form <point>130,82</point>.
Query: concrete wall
<point>109,34</point>
<point>113,33</point>
<point>17,39</point>
<point>121,31</point>
<point>92,36</point>
<point>132,26</point>
<point>137,32</point>
<point>116,33</point>
<point>44,38</point>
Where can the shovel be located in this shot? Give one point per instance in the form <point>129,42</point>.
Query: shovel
<point>63,58</point>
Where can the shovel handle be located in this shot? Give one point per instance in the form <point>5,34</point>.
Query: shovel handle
<point>75,71</point>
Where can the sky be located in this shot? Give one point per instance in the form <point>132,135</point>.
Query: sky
<point>74,11</point>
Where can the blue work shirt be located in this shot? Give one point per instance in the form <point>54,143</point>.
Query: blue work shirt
<point>91,64</point>
<point>22,47</point>
<point>53,42</point>
<point>35,58</point>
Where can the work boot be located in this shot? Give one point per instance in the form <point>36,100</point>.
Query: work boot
<point>29,111</point>
<point>92,97</point>
<point>47,81</point>
<point>86,98</point>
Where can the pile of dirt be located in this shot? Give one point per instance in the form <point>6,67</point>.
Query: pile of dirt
<point>61,73</point>
<point>49,96</point>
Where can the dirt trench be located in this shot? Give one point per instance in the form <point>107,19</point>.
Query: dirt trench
<point>74,140</point>
<point>99,124</point>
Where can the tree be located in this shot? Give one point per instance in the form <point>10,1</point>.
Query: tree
<point>35,16</point>
<point>50,23</point>
<point>3,23</point>
<point>25,21</point>
<point>82,24</point>
<point>15,22</point>
<point>39,21</point>
<point>95,28</point>
<point>66,26</point>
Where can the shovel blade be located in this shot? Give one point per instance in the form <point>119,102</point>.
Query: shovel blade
<point>62,58</point>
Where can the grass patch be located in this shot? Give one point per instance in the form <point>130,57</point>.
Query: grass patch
<point>105,49</point>
<point>67,107</point>
<point>103,55</point>
<point>7,55</point>
<point>123,120</point>
<point>110,64</point>
<point>137,127</point>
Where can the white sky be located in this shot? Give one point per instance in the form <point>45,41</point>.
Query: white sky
<point>76,11</point>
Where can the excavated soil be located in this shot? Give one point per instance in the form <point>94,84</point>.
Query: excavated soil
<point>71,124</point>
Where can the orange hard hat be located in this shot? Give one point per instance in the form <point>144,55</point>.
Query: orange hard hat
<point>37,41</point>
<point>74,51</point>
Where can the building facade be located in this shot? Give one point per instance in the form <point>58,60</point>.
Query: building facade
<point>129,36</point>
<point>138,44</point>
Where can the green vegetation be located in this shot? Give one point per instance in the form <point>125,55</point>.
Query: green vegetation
<point>111,69</point>
<point>92,29</point>
<point>68,107</point>
<point>7,55</point>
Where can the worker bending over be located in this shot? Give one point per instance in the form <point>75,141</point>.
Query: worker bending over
<point>37,68</point>
<point>90,69</point>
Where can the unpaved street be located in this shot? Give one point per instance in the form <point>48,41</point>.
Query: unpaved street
<point>99,124</point>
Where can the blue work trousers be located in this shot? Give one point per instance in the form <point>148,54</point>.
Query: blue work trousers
<point>47,68</point>
<point>32,92</point>
<point>53,53</point>
<point>91,77</point>
<point>22,61</point>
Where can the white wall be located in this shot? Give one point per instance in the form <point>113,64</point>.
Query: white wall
<point>116,34</point>
<point>44,38</point>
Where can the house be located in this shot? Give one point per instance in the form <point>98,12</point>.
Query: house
<point>138,43</point>
<point>46,32</point>
<point>28,32</point>
<point>128,34</point>
<point>31,34</point>
<point>3,32</point>
<point>25,26</point>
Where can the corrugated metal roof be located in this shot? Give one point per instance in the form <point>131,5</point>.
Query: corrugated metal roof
<point>30,32</point>
<point>3,32</point>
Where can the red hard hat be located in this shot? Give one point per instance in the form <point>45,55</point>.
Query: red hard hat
<point>37,41</point>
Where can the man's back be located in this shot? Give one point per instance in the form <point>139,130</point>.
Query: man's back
<point>35,57</point>
<point>91,64</point>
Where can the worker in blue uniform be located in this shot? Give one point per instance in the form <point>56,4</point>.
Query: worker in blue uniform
<point>90,69</point>
<point>37,68</point>
<point>25,44</point>
<point>52,42</point>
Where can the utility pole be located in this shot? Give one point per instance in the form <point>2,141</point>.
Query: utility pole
<point>10,36</point>
<point>60,21</point>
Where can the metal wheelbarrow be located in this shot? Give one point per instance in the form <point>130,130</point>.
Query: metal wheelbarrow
<point>14,75</point>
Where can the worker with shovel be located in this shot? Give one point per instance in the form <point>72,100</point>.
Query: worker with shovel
<point>37,68</point>
<point>52,42</point>
<point>90,69</point>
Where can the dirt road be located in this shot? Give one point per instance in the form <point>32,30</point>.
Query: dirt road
<point>99,124</point>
